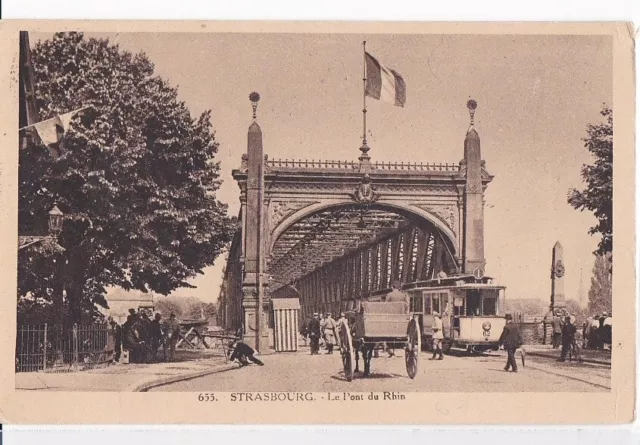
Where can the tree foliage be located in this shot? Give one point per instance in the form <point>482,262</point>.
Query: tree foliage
<point>600,291</point>
<point>136,180</point>
<point>185,308</point>
<point>597,197</point>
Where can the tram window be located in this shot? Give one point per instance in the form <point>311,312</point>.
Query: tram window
<point>416,304</point>
<point>489,306</point>
<point>435,303</point>
<point>444,299</point>
<point>473,303</point>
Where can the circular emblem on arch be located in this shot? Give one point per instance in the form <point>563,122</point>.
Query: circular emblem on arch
<point>478,273</point>
<point>559,269</point>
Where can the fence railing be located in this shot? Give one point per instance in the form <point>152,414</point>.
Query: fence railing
<point>51,349</point>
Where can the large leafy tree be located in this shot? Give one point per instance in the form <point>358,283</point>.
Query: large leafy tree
<point>598,195</point>
<point>136,180</point>
<point>600,291</point>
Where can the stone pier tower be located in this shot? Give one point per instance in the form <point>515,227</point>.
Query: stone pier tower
<point>473,238</point>
<point>255,302</point>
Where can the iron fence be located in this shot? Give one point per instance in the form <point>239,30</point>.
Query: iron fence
<point>52,349</point>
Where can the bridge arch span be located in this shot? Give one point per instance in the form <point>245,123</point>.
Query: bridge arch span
<point>391,206</point>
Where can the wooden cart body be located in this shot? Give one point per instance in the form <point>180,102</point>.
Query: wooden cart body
<point>382,321</point>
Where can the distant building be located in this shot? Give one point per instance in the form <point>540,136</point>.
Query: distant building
<point>120,301</point>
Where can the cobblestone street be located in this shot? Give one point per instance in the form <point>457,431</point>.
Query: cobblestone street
<point>456,373</point>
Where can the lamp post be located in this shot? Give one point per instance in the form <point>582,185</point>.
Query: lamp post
<point>56,219</point>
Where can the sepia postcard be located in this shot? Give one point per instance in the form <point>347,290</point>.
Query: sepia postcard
<point>317,223</point>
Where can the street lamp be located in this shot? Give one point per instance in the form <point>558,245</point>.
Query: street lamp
<point>55,220</point>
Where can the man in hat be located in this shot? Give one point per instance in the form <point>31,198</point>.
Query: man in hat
<point>606,330</point>
<point>510,340</point>
<point>328,331</point>
<point>156,336</point>
<point>242,352</point>
<point>438,336</point>
<point>568,337</point>
<point>557,330</point>
<point>173,333</point>
<point>313,330</point>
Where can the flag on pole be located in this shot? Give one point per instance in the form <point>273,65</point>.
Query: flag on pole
<point>383,83</point>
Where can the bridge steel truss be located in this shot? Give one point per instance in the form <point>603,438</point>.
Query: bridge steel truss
<point>413,253</point>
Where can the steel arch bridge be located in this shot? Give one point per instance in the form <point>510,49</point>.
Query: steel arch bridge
<point>333,233</point>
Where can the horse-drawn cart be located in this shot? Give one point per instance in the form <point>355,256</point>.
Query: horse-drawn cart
<point>379,323</point>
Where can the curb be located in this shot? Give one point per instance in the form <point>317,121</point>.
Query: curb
<point>584,360</point>
<point>181,377</point>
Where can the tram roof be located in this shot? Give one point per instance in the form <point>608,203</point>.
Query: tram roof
<point>457,282</point>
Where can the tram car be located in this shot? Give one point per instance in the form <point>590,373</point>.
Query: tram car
<point>469,307</point>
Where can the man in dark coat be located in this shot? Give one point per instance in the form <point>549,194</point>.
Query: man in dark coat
<point>155,333</point>
<point>117,339</point>
<point>568,337</point>
<point>243,352</point>
<point>557,331</point>
<point>131,340</point>
<point>511,340</point>
<point>313,330</point>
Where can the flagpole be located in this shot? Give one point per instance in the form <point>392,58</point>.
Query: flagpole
<point>364,157</point>
<point>364,93</point>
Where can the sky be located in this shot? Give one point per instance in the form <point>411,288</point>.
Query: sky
<point>535,96</point>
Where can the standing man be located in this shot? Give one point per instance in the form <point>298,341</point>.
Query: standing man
<point>438,336</point>
<point>511,340</point>
<point>557,330</point>
<point>328,330</point>
<point>156,336</point>
<point>606,329</point>
<point>173,332</point>
<point>568,337</point>
<point>313,330</point>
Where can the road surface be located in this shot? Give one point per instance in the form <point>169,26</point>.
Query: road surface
<point>301,371</point>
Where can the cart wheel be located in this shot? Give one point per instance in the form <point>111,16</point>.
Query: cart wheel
<point>413,348</point>
<point>346,351</point>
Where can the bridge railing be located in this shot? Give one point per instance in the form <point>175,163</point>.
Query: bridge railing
<point>353,165</point>
<point>313,163</point>
<point>416,166</point>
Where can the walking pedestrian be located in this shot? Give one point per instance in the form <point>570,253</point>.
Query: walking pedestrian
<point>314,333</point>
<point>510,340</point>
<point>328,330</point>
<point>243,353</point>
<point>438,336</point>
<point>173,332</point>
<point>568,337</point>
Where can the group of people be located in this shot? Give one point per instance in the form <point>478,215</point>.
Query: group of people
<point>596,331</point>
<point>325,329</point>
<point>141,337</point>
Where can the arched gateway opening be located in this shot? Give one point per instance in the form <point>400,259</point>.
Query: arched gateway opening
<point>334,257</point>
<point>332,233</point>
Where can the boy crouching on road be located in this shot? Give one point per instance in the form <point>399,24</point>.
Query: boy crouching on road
<point>243,352</point>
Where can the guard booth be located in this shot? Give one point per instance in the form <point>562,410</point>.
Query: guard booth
<point>285,324</point>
